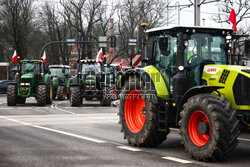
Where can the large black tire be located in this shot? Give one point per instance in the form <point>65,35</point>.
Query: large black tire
<point>148,135</point>
<point>106,98</point>
<point>11,95</point>
<point>218,139</point>
<point>76,96</point>
<point>61,92</point>
<point>41,95</point>
<point>49,94</point>
<point>20,100</point>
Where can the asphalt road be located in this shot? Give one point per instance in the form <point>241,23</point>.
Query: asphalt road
<point>60,135</point>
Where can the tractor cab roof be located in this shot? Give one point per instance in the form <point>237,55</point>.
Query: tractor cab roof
<point>189,30</point>
<point>31,61</point>
<point>59,66</point>
<point>88,61</point>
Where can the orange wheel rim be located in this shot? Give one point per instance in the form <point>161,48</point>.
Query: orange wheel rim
<point>196,137</point>
<point>134,111</point>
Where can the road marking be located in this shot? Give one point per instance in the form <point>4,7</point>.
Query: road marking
<point>177,160</point>
<point>55,107</point>
<point>6,108</point>
<point>54,130</point>
<point>129,148</point>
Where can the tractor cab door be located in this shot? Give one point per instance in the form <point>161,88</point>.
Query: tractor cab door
<point>164,55</point>
<point>201,50</point>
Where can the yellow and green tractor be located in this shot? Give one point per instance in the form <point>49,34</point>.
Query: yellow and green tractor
<point>187,83</point>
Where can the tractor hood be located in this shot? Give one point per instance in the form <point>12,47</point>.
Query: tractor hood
<point>234,79</point>
<point>27,76</point>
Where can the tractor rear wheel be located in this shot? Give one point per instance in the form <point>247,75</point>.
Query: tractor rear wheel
<point>76,96</point>
<point>106,97</point>
<point>209,127</point>
<point>41,95</point>
<point>11,95</point>
<point>61,92</point>
<point>139,116</point>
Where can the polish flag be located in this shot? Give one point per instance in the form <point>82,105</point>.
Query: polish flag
<point>232,19</point>
<point>121,64</point>
<point>44,57</point>
<point>99,56</point>
<point>14,57</point>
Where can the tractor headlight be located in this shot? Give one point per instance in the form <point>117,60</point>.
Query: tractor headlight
<point>25,84</point>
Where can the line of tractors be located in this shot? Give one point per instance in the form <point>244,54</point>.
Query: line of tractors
<point>187,82</point>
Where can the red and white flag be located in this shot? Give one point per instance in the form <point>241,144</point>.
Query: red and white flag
<point>232,19</point>
<point>14,57</point>
<point>121,63</point>
<point>44,57</point>
<point>99,56</point>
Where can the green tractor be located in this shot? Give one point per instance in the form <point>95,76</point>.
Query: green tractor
<point>61,80</point>
<point>91,82</point>
<point>30,81</point>
<point>187,84</point>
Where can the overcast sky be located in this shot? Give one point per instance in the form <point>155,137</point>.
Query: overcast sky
<point>187,14</point>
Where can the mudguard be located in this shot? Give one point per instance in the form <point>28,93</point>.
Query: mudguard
<point>152,78</point>
<point>194,91</point>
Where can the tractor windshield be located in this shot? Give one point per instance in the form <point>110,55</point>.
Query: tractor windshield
<point>206,47</point>
<point>90,67</point>
<point>56,72</point>
<point>32,68</point>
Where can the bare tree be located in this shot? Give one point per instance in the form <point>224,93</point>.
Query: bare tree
<point>131,14</point>
<point>16,17</point>
<point>82,16</point>
<point>241,7</point>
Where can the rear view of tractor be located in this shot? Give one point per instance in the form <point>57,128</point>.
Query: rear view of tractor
<point>187,84</point>
<point>61,81</point>
<point>30,81</point>
<point>91,82</point>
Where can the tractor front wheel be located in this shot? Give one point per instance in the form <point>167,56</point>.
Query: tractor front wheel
<point>106,97</point>
<point>41,95</point>
<point>139,116</point>
<point>76,96</point>
<point>11,95</point>
<point>61,92</point>
<point>209,127</point>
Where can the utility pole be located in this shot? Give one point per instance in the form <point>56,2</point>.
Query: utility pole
<point>167,12</point>
<point>197,12</point>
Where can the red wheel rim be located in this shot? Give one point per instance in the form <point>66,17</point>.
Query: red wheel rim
<point>134,106</point>
<point>195,136</point>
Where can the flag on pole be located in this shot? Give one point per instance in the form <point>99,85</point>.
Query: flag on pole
<point>232,19</point>
<point>44,57</point>
<point>121,64</point>
<point>99,56</point>
<point>14,57</point>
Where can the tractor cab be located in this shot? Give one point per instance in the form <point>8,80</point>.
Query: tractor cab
<point>188,48</point>
<point>30,73</point>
